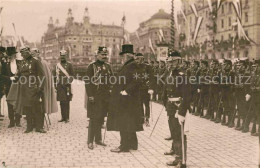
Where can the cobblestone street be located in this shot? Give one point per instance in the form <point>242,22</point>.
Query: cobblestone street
<point>65,145</point>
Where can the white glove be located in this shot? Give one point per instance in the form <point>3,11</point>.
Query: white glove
<point>176,114</point>
<point>150,91</point>
<point>12,78</point>
<point>248,97</point>
<point>181,119</point>
<point>123,93</point>
<point>198,90</point>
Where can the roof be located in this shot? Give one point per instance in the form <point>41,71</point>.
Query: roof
<point>161,14</point>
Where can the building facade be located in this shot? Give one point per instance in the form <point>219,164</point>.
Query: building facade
<point>81,40</point>
<point>218,36</point>
<point>153,31</point>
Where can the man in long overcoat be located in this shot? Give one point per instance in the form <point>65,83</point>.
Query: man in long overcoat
<point>125,113</point>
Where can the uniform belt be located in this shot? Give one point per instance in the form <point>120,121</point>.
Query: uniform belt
<point>174,99</point>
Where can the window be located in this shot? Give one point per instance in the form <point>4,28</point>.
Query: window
<point>222,55</point>
<point>223,9</point>
<point>229,55</point>
<point>246,3</point>
<point>165,32</point>
<point>246,17</point>
<point>246,32</point>
<point>114,40</point>
<point>230,7</point>
<point>86,31</point>
<point>222,23</point>
<point>229,36</point>
<point>155,32</point>
<point>222,38</point>
<point>229,21</point>
<point>246,53</point>
<point>74,46</point>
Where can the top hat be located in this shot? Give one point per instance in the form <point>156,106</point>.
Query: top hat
<point>2,49</point>
<point>204,62</point>
<point>226,61</point>
<point>173,55</point>
<point>127,48</point>
<point>25,48</point>
<point>139,55</point>
<point>102,50</point>
<point>63,52</point>
<point>11,51</point>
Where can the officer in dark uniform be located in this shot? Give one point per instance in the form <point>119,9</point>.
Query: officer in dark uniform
<point>9,76</point>
<point>252,98</point>
<point>177,101</point>
<point>203,89</point>
<point>63,77</point>
<point>147,86</point>
<point>2,58</point>
<point>214,89</point>
<point>162,69</point>
<point>240,93</point>
<point>98,90</point>
<point>227,81</point>
<point>195,73</point>
<point>31,79</point>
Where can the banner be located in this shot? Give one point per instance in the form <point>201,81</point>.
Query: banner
<point>161,33</point>
<point>151,45</point>
<point>197,28</point>
<point>137,35</point>
<point>210,5</point>
<point>194,9</point>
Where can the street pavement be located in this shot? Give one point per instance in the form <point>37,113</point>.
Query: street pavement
<point>65,145</point>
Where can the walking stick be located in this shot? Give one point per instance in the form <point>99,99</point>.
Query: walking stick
<point>235,112</point>
<point>49,118</point>
<point>151,106</point>
<point>156,122</point>
<point>46,122</point>
<point>182,143</point>
<point>105,134</point>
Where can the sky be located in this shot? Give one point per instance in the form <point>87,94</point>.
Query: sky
<point>31,16</point>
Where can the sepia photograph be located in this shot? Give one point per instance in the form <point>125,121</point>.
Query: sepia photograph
<point>129,83</point>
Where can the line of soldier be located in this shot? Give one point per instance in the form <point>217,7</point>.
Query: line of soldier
<point>228,92</point>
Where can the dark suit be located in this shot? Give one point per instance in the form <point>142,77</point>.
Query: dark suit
<point>63,87</point>
<point>100,91</point>
<point>125,111</point>
<point>7,73</point>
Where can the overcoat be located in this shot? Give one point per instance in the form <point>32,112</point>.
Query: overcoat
<point>125,112</point>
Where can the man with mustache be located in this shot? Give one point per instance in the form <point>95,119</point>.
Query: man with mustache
<point>63,77</point>
<point>98,91</point>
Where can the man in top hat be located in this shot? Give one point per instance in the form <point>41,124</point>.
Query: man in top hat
<point>63,77</point>
<point>195,72</point>
<point>176,98</point>
<point>125,111</point>
<point>9,72</point>
<point>98,90</point>
<point>31,78</point>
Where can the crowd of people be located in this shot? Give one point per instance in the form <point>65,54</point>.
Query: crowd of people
<point>225,92</point>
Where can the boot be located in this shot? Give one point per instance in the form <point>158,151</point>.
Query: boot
<point>223,122</point>
<point>253,129</point>
<point>17,122</point>
<point>11,124</point>
<point>238,123</point>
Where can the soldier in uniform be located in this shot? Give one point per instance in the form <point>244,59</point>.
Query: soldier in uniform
<point>203,89</point>
<point>125,111</point>
<point>2,58</point>
<point>31,79</point>
<point>195,72</point>
<point>240,93</point>
<point>162,69</point>
<point>147,86</point>
<point>213,90</point>
<point>98,93</point>
<point>227,81</point>
<point>252,98</point>
<point>63,77</point>
<point>9,74</point>
<point>177,101</point>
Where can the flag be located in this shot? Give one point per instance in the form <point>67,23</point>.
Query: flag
<point>218,3</point>
<point>193,7</point>
<point>21,41</point>
<point>1,8</point>
<point>161,33</point>
<point>123,20</point>
<point>1,31</point>
<point>160,37</point>
<point>117,46</point>
<point>183,14</point>
<point>197,28</point>
<point>151,45</point>
<point>210,5</point>
<point>137,35</point>
<point>57,36</point>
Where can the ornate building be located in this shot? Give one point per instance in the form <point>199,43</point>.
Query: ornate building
<point>152,32</point>
<point>218,35</point>
<point>81,40</point>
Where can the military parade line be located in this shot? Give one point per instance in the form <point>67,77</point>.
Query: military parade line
<point>224,92</point>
